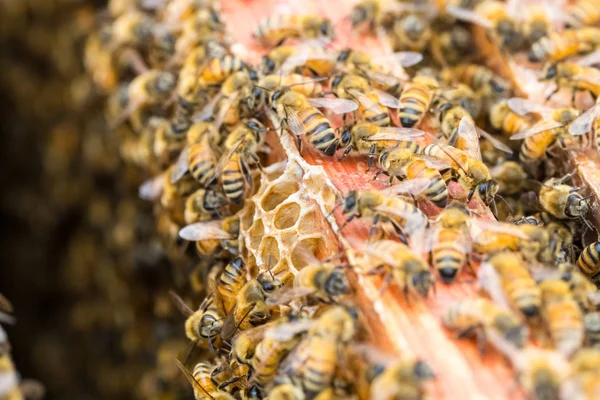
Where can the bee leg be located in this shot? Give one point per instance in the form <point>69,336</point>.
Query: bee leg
<point>552,93</point>
<point>347,151</point>
<point>372,230</point>
<point>381,172</point>
<point>386,283</point>
<point>229,382</point>
<point>371,154</point>
<point>399,232</point>
<point>350,218</point>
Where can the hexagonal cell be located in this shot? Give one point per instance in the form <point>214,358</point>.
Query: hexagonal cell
<point>308,223</point>
<point>278,193</point>
<point>269,254</point>
<point>256,233</point>
<point>316,246</point>
<point>287,215</point>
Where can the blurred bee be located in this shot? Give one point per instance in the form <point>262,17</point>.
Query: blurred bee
<point>400,264</point>
<point>591,322</point>
<point>285,391</point>
<point>300,115</point>
<point>199,156</point>
<point>584,383</point>
<point>511,178</point>
<point>162,49</point>
<point>132,29</point>
<point>403,163</point>
<point>10,381</point>
<point>536,21</point>
<point>99,62</point>
<point>589,121</point>
<point>416,99</point>
<point>480,316</point>
<point>411,32</point>
<point>201,382</point>
<point>366,12</point>
<point>370,139</point>
<point>562,316</point>
<point>231,281</point>
<point>404,217</point>
<point>589,262</point>
<point>481,79</point>
<point>506,120</point>
<point>451,46</point>
<point>582,289</point>
<point>148,89</point>
<point>582,13</point>
<point>505,277</point>
<point>218,69</point>
<point>459,95</point>
<point>572,75</point>
<point>275,29</point>
<point>204,205</point>
<point>506,29</point>
<point>211,235</point>
<point>560,45</point>
<point>538,138</point>
<point>308,58</point>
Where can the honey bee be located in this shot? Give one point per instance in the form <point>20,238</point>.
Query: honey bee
<point>506,120</point>
<point>582,289</point>
<point>198,156</point>
<point>416,99</point>
<point>481,316</point>
<point>204,205</point>
<point>10,382</point>
<point>286,391</point>
<point>403,163</point>
<point>401,265</point>
<point>586,122</point>
<point>582,13</point>
<point>203,386</point>
<point>536,21</point>
<point>481,79</point>
<point>218,69</point>
<point>210,234</point>
<point>100,63</point>
<point>506,28</point>
<point>589,262</point>
<point>301,116</point>
<point>132,29</point>
<point>572,75</point>
<point>505,277</point>
<point>231,281</point>
<point>404,216</point>
<point>148,89</point>
<point>560,45</point>
<point>511,178</point>
<point>554,124</point>
<point>411,32</point>
<point>584,382</point>
<point>452,46</point>
<point>562,315</point>
<point>203,324</point>
<point>275,29</point>
<point>366,12</point>
<point>591,322</point>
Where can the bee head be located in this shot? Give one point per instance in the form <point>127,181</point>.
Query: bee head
<point>337,283</point>
<point>326,28</point>
<point>549,71</point>
<point>577,205</point>
<point>423,371</point>
<point>422,282</point>
<point>350,202</point>
<point>487,191</point>
<point>268,64</point>
<point>344,54</point>
<point>345,137</point>
<point>255,126</point>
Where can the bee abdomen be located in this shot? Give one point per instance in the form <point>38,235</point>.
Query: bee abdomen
<point>588,261</point>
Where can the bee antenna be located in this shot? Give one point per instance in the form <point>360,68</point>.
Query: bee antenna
<point>269,266</point>
<point>589,226</point>
<point>262,88</point>
<point>333,210</point>
<point>505,202</point>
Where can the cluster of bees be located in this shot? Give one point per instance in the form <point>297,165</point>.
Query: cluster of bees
<point>203,122</point>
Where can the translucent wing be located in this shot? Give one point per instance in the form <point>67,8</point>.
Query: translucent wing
<point>224,108</point>
<point>152,188</point>
<point>404,58</point>
<point>287,331</point>
<point>394,133</point>
<point>5,304</point>
<point>8,382</point>
<point>338,106</point>
<point>285,296</point>
<point>538,128</point>
<point>293,122</point>
<point>373,355</point>
<point>374,250</point>
<point>466,15</point>
<point>468,131</point>
<point>524,106</point>
<point>183,308</point>
<point>497,144</point>
<point>413,220</point>
<point>364,100</point>
<point>181,165</point>
<point>204,231</point>
<point>191,379</point>
<point>409,186</point>
<point>387,99</point>
<point>590,59</point>
<point>7,319</point>
<point>489,280</point>
<point>478,226</point>
<point>434,162</point>
<point>583,123</point>
<point>208,109</point>
<point>381,78</point>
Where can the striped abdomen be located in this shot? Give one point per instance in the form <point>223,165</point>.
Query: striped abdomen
<point>202,161</point>
<point>557,46</point>
<point>534,147</point>
<point>277,27</point>
<point>267,357</point>
<point>318,130</point>
<point>591,322</point>
<point>201,373</point>
<point>589,262</point>
<point>522,290</point>
<point>231,281</point>
<point>583,13</point>
<point>219,68</point>
<point>565,323</point>
<point>376,115</point>
<point>232,179</point>
<point>437,191</point>
<point>415,99</point>
<point>319,369</point>
<point>447,255</point>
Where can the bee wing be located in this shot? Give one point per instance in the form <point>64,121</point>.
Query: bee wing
<point>421,240</point>
<point>495,142</point>
<point>225,106</point>
<point>466,15</point>
<point>538,128</point>
<point>373,355</point>
<point>477,226</point>
<point>583,123</point>
<point>338,106</point>
<point>434,162</point>
<point>191,379</point>
<point>363,99</point>
<point>287,331</point>
<point>381,78</point>
<point>7,318</point>
<point>523,106</point>
<point>404,58</point>
<point>181,165</point>
<point>394,133</point>
<point>387,99</point>
<point>468,131</point>
<point>204,231</point>
<point>208,110</point>
<point>489,280</point>
<point>183,308</point>
<point>413,221</point>
<point>285,296</point>
<point>374,250</point>
<point>293,121</point>
<point>590,59</point>
<point>8,382</point>
<point>152,188</point>
<point>453,153</point>
<point>410,186</point>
